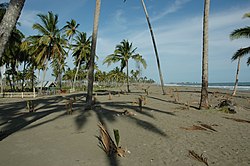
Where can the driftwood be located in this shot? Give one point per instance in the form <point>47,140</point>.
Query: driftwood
<point>200,158</point>
<point>194,127</point>
<point>238,120</point>
<point>201,126</point>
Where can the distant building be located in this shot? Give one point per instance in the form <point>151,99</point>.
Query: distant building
<point>46,85</point>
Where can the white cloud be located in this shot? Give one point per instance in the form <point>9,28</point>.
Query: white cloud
<point>177,5</point>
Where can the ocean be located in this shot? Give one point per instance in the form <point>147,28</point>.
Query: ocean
<point>244,86</point>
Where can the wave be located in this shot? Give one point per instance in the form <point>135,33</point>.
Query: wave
<point>245,86</point>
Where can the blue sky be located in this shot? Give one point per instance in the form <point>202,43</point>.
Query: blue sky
<point>177,25</point>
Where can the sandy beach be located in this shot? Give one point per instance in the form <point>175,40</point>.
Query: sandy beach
<point>162,133</point>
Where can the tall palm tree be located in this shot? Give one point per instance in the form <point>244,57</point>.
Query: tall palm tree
<point>9,21</point>
<point>236,34</point>
<point>81,51</point>
<point>154,44</point>
<point>123,52</point>
<point>204,86</point>
<point>49,42</point>
<point>93,54</point>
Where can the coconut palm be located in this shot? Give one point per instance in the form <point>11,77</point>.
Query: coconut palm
<point>71,28</point>
<point>204,87</point>
<point>93,54</point>
<point>69,75</point>
<point>9,21</point>
<point>81,51</point>
<point>154,44</point>
<point>48,43</point>
<point>236,34</point>
<point>123,52</point>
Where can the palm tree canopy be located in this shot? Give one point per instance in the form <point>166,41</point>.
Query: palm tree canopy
<point>81,48</point>
<point>241,33</point>
<point>123,52</point>
<point>71,28</point>
<point>49,42</point>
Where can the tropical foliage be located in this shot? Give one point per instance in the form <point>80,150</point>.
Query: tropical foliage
<point>238,34</point>
<point>123,53</point>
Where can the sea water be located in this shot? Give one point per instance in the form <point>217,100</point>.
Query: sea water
<point>244,86</point>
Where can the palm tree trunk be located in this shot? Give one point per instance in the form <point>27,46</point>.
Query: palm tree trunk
<point>1,80</point>
<point>24,68</point>
<point>9,21</point>
<point>44,74</point>
<point>77,70</point>
<point>127,77</point>
<point>236,77</point>
<point>93,53</point>
<point>204,87</point>
<point>155,48</point>
<point>32,78</point>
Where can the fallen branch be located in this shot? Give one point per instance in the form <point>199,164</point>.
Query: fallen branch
<point>238,120</point>
<point>200,158</point>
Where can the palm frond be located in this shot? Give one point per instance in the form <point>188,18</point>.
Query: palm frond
<point>246,15</point>
<point>240,53</point>
<point>240,33</point>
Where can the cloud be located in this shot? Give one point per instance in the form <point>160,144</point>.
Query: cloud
<point>177,5</point>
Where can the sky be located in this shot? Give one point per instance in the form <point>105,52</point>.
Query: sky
<point>177,25</point>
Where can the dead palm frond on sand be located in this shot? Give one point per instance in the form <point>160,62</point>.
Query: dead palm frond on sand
<point>107,144</point>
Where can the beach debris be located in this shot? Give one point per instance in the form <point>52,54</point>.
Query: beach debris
<point>110,96</point>
<point>140,103</point>
<point>208,127</point>
<point>108,144</point>
<point>201,126</point>
<point>194,127</point>
<point>146,90</point>
<point>69,105</point>
<point>226,106</point>
<point>200,158</point>
<point>30,106</point>
<point>129,113</point>
<point>238,120</point>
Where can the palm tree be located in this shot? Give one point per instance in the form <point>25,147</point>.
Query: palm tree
<point>123,52</point>
<point>204,87</point>
<point>48,43</point>
<point>9,21</point>
<point>93,54</point>
<point>236,34</point>
<point>154,44</point>
<point>69,75</point>
<point>71,28</point>
<point>81,51</point>
<point>236,77</point>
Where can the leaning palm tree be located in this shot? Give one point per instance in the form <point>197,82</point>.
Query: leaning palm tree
<point>123,52</point>
<point>204,86</point>
<point>9,21</point>
<point>81,51</point>
<point>49,42</point>
<point>236,34</point>
<point>154,44</point>
<point>93,54</point>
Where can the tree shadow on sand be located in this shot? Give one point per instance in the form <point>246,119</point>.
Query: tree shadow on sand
<point>14,116</point>
<point>112,111</point>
